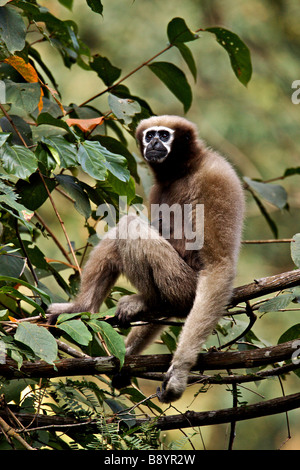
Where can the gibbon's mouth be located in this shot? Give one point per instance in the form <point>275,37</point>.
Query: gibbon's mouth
<point>154,156</point>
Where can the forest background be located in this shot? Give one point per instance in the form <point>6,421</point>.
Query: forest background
<point>256,127</point>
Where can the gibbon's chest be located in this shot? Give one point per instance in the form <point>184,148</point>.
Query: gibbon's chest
<point>183,191</point>
<point>169,206</point>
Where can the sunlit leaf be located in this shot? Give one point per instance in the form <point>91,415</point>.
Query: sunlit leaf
<point>77,330</point>
<point>18,160</point>
<point>39,339</point>
<point>123,108</point>
<point>295,249</point>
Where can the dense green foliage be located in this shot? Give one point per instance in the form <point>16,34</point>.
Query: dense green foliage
<point>83,152</point>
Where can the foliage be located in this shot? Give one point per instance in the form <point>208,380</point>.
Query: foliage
<point>48,146</point>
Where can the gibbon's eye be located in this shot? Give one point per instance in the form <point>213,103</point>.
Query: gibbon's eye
<point>164,135</point>
<point>149,136</point>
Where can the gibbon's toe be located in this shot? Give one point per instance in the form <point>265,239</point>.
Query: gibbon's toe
<point>172,387</point>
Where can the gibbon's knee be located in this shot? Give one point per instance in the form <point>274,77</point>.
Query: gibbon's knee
<point>153,266</point>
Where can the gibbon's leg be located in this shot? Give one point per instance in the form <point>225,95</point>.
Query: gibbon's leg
<point>99,275</point>
<point>147,260</point>
<point>214,289</point>
<point>162,278</point>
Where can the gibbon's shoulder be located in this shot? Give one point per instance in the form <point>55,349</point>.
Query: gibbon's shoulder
<point>215,164</point>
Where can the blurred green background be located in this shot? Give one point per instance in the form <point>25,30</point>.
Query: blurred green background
<point>256,127</point>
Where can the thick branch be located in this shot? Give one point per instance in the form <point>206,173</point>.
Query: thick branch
<point>188,419</point>
<point>266,285</point>
<point>205,418</point>
<point>214,360</point>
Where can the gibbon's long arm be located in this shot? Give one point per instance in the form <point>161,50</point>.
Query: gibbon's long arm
<point>213,290</point>
<point>166,271</point>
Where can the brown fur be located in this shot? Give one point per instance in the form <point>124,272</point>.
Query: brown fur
<point>165,273</point>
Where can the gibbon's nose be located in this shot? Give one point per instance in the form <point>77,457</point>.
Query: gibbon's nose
<point>155,144</point>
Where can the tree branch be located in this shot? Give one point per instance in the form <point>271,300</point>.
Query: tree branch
<point>206,418</point>
<point>266,285</point>
<point>214,360</point>
<point>164,423</point>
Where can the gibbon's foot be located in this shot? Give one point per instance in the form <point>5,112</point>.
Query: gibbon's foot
<point>128,308</point>
<point>121,380</point>
<point>173,385</point>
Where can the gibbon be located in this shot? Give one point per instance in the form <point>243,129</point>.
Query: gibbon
<point>173,269</point>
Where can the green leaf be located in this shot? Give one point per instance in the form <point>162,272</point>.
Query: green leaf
<point>266,215</point>
<point>238,52</point>
<point>105,70</point>
<point>175,80</point>
<point>8,202</point>
<point>45,297</point>
<point>64,153</point>
<point>3,137</point>
<point>23,95</point>
<point>114,341</point>
<point>95,5</point>
<point>47,118</point>
<point>277,303</point>
<point>12,31</point>
<point>96,160</point>
<point>18,161</point>
<point>77,330</point>
<point>292,333</point>
<point>136,396</point>
<point>189,59</point>
<point>38,339</point>
<point>18,295</point>
<point>116,147</point>
<point>124,108</point>
<point>11,262</point>
<point>32,193</point>
<point>72,186</point>
<point>178,32</point>
<point>67,3</point>
<point>292,171</point>
<point>273,193</point>
<point>91,160</point>
<point>295,249</point>
<point>122,188</point>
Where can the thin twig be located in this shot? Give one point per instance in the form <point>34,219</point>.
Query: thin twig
<point>53,236</point>
<point>259,242</point>
<point>60,221</point>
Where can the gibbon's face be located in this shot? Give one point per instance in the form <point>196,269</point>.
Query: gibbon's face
<point>157,143</point>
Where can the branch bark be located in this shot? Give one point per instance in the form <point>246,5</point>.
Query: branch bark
<point>266,285</point>
<point>214,360</point>
<point>206,418</point>
<point>164,423</point>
